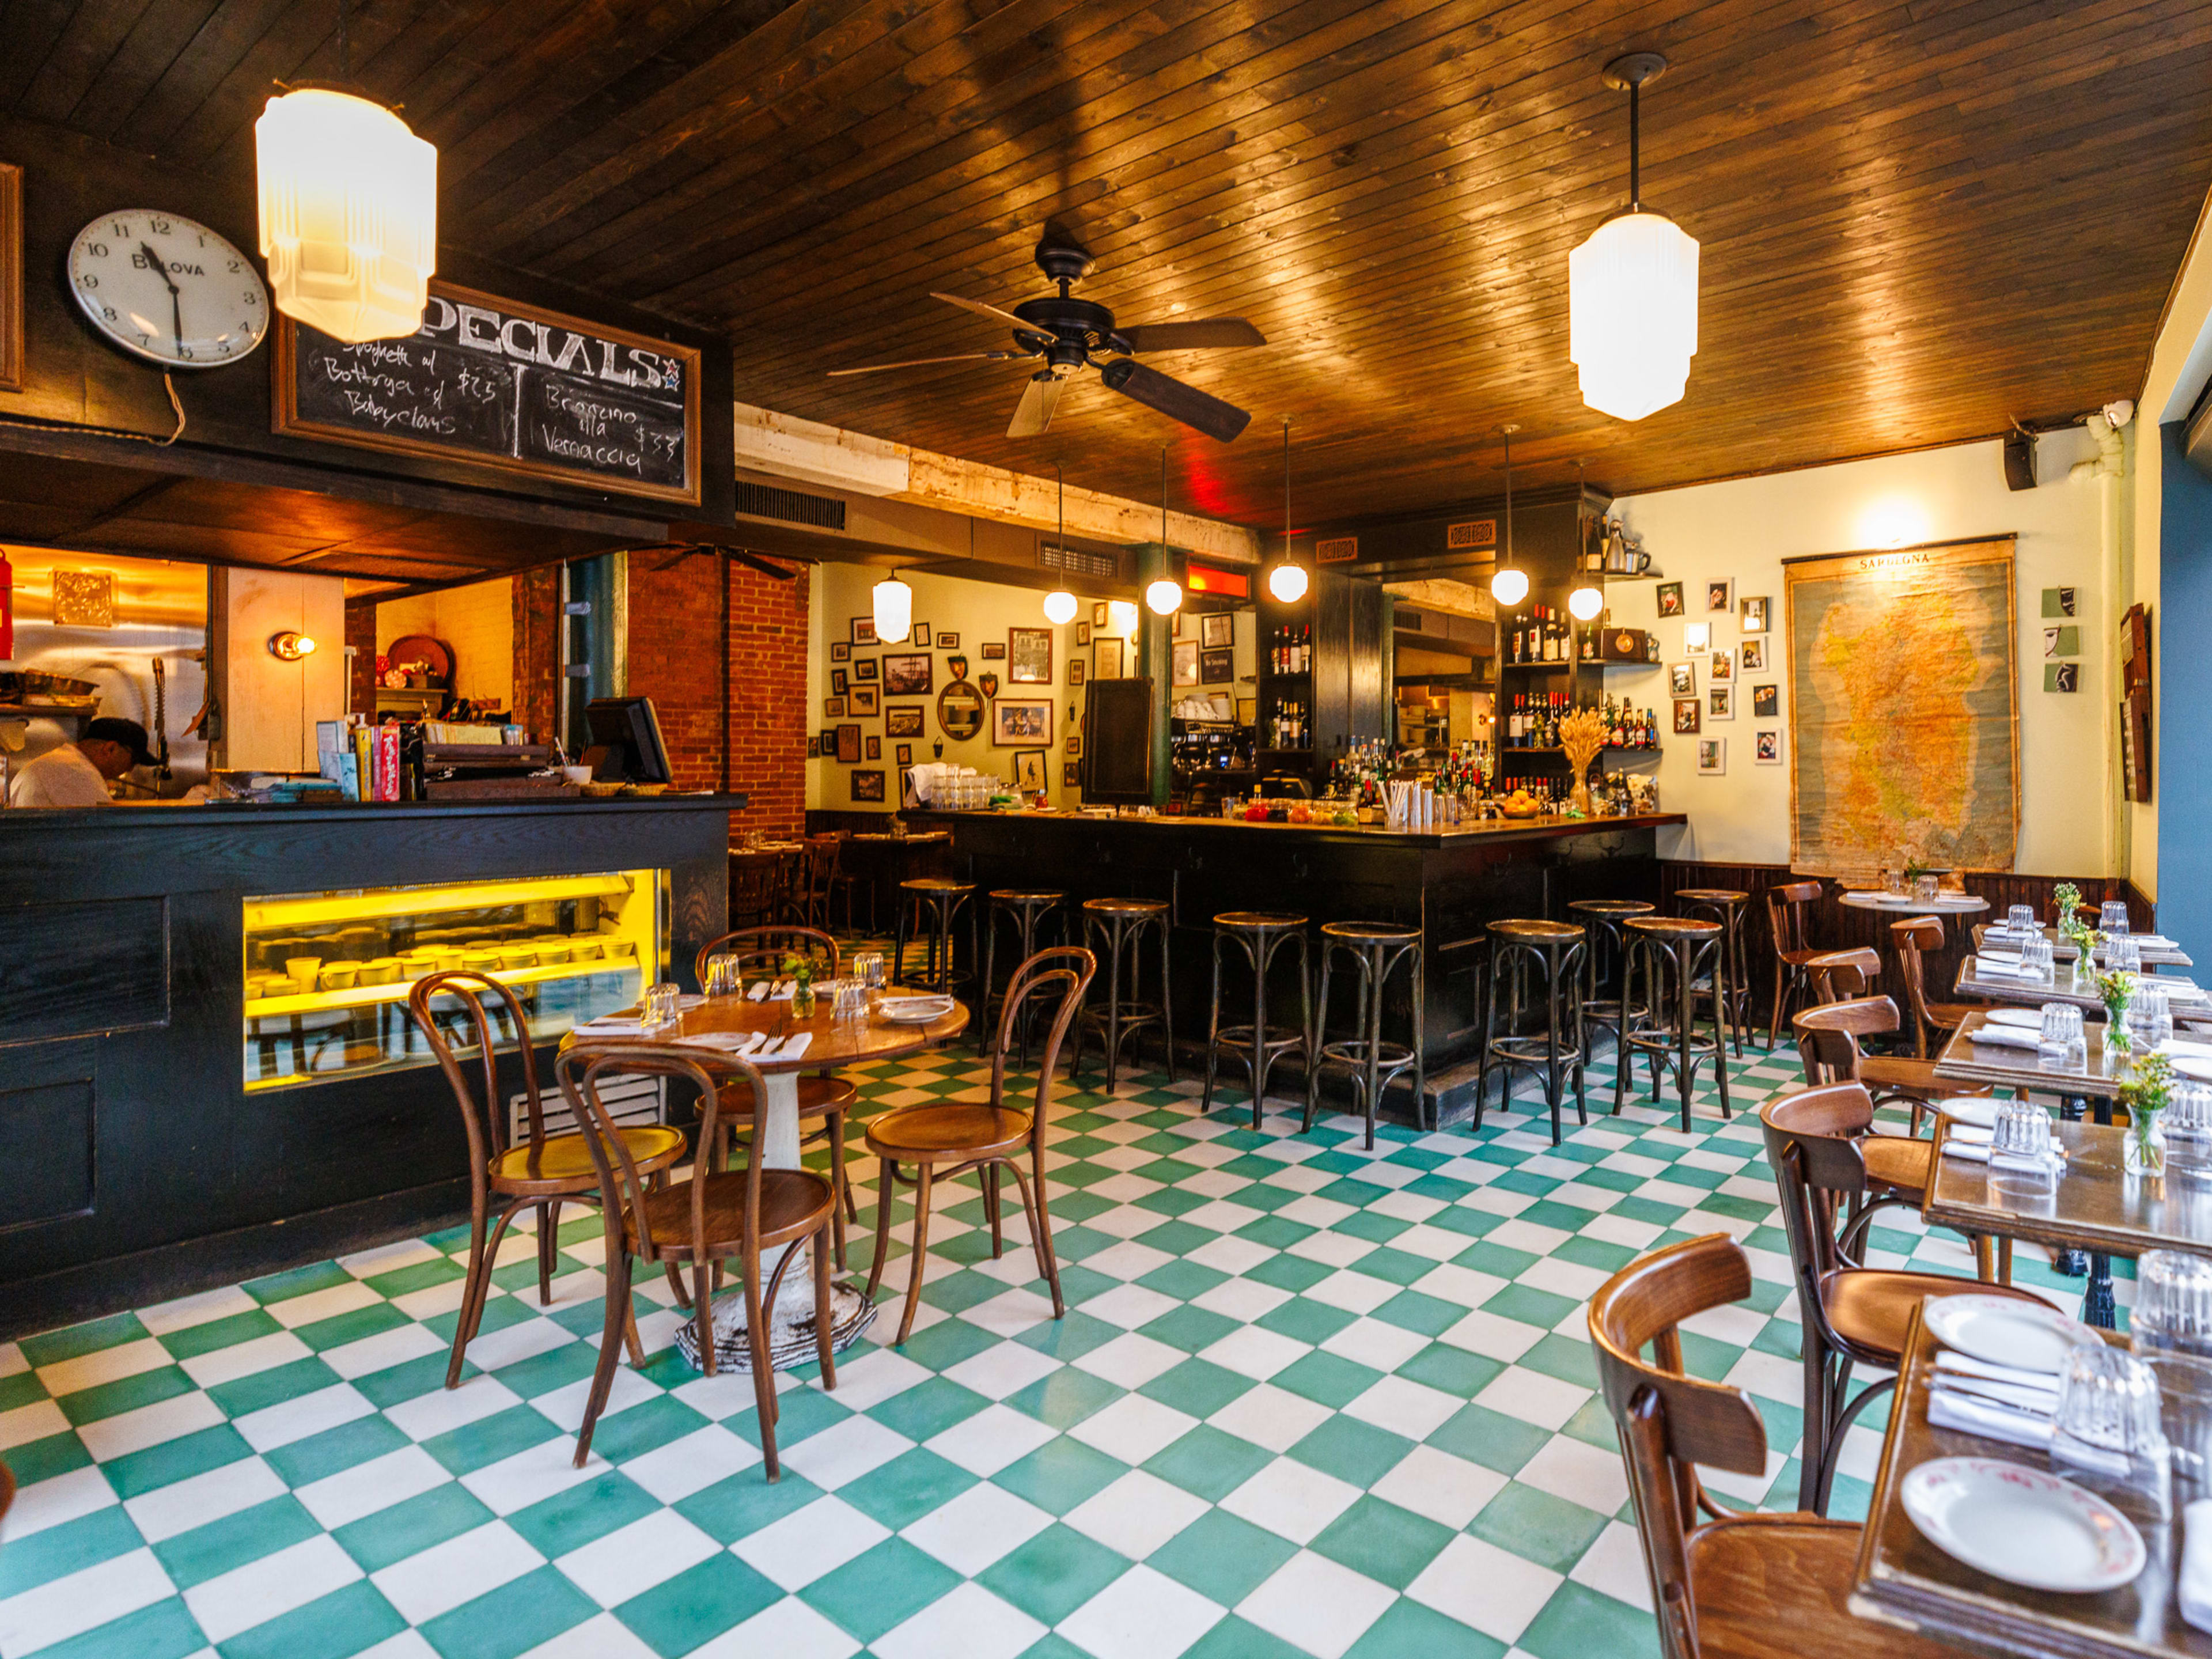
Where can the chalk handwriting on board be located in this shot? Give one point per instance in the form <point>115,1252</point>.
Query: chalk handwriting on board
<point>485,381</point>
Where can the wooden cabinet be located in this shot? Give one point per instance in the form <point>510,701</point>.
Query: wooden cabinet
<point>1320,675</point>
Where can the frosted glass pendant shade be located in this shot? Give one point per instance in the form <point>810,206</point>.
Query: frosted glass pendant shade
<point>894,606</point>
<point>1059,607</point>
<point>1163,596</point>
<point>1510,586</point>
<point>1287,582</point>
<point>1584,603</point>
<point>1632,313</point>
<point>349,214</point>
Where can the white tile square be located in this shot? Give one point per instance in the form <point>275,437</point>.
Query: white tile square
<point>692,1463</point>
<point>110,1364</point>
<point>1229,1255</point>
<point>866,1382</point>
<point>1613,1566</point>
<point>1291,1500</point>
<point>1533,1397</point>
<point>166,1318</point>
<point>337,1499</point>
<point>976,1529</point>
<point>1002,1369</point>
<point>254,1594</point>
<point>524,1340</point>
<point>1447,1490</point>
<point>1492,1335</point>
<point>1316,1604</point>
<point>1128,1305</point>
<point>1579,1473</point>
<point>799,1548</point>
<point>459,1570</point>
<point>788,1630</point>
<point>531,1475</point>
<point>443,1410</point>
<point>1255,1352</point>
<point>383,1351</point>
<point>82,1601</point>
<point>1134,1428</point>
<point>990,1440</point>
<point>1404,1407</point>
<point>1130,1360</point>
<point>51,1502</point>
<point>845,1451</point>
<point>630,1560</point>
<point>1376,1344</point>
<point>1269,1417</point>
<point>1492,1589</point>
<point>1143,1615</point>
<point>1136,1514</point>
<point>148,1425</point>
<point>1009,1313</point>
<point>295,1419</point>
<point>602,1636</point>
<point>198,1499</point>
<point>328,1303</point>
<point>24,1424</point>
<point>1330,1250</point>
<point>1462,1286</point>
<point>1241,1299</point>
<point>970,1621</point>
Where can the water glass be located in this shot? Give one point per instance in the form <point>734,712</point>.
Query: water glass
<point>1892,883</point>
<point>725,977</point>
<point>868,969</point>
<point>2020,1159</point>
<point>2149,1020</point>
<point>2020,919</point>
<point>2113,918</point>
<point>2122,954</point>
<point>660,1004</point>
<point>2188,1128</point>
<point>2062,1042</point>
<point>2036,957</point>
<point>2107,1418</point>
<point>849,997</point>
<point>2171,1327</point>
<point>1926,888</point>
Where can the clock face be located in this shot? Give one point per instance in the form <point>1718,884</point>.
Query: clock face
<point>168,289</point>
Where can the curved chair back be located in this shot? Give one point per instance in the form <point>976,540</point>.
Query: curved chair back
<point>1813,1145</point>
<point>762,949</point>
<point>466,992</point>
<point>1828,1037</point>
<point>1787,906</point>
<point>1669,1421</point>
<point>1913,936</point>
<point>1842,975</point>
<point>1064,970</point>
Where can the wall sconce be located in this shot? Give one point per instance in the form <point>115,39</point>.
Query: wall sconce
<point>290,646</point>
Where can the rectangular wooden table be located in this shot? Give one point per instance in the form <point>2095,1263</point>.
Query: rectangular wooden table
<point>2034,992</point>
<point>1903,1579</point>
<point>2095,1204</point>
<point>2153,955</point>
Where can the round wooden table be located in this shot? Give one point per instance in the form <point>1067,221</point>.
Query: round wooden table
<point>1905,904</point>
<point>852,1040</point>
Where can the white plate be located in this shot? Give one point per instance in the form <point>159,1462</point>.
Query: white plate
<point>1978,1110</point>
<point>2026,1526</point>
<point>2199,1069</point>
<point>2007,1330</point>
<point>914,1010</point>
<point>2028,1019</point>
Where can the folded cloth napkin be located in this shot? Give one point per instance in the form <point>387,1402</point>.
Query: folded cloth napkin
<point>759,993</point>
<point>1950,1359</point>
<point>1987,967</point>
<point>784,988</point>
<point>795,1045</point>
<point>2194,1589</point>
<point>2037,1402</point>
<point>1969,1151</point>
<point>1948,1410</point>
<point>2005,1036</point>
<point>610,1027</point>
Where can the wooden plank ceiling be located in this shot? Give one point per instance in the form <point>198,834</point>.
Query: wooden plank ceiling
<point>1919,220</point>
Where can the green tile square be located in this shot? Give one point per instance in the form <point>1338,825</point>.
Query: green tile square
<point>325,1454</point>
<point>56,1453</point>
<point>323,1334</point>
<point>1578,1621</point>
<point>1415,1311</point>
<point>409,1380</point>
<point>1596,1253</point>
<point>1222,1557</point>
<point>1453,1371</point>
<point>944,1344</point>
<point>1376,1229</point>
<point>1053,1574</point>
<point>880,1588</point>
<point>58,1551</point>
<point>125,1393</point>
<point>1186,1281</point>
<point>411,1526</point>
<point>1178,1238</point>
<point>1207,1462</point>
<point>299,1281</point>
<point>1383,1542</point>
<point>1490,1438</point>
<point>518,1616</point>
<point>555,1368</point>
<point>1326,1378</point>
<point>227,1332</point>
<point>193,1558</point>
<point>23,1389</point>
<point>473,1445</point>
<point>644,1427</point>
<point>75,1341</point>
<point>571,1519</point>
<point>1059,1474</point>
<point>420,1276</point>
<point>1065,1397</point>
<point>900,1492</point>
<point>740,1504</point>
<point>1077,1332</point>
<point>1538,1526</point>
<point>927,1408</point>
<point>1304,1320</point>
<point>1190,1329</point>
<point>273,1387</point>
<point>139,1472</point>
<point>1277,1232</point>
<point>164,1630</point>
<point>1394,1266</point>
<point>1530,1306</point>
<point>1564,1358</point>
<point>1353,1450</point>
<point>1407,1630</point>
<point>698,1605</point>
<point>1196,1386</point>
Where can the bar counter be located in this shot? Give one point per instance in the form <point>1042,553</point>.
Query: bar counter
<point>1450,883</point>
<point>178,1109</point>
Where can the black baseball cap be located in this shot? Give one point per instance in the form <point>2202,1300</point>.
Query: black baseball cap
<point>123,734</point>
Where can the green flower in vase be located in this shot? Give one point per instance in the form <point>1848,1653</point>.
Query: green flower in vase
<point>800,971</point>
<point>2115,991</point>
<point>2146,1094</point>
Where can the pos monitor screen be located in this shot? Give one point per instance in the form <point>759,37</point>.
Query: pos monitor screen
<point>626,745</point>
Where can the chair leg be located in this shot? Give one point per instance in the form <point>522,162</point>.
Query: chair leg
<point>1212,1037</point>
<point>920,1259</point>
<point>702,1316</point>
<point>1774,1016</point>
<point>764,1410</point>
<point>549,1248</point>
<point>989,1176</point>
<point>825,1320</point>
<point>841,1195</point>
<point>472,1288</point>
<point>1167,1005</point>
<point>1318,1025</point>
<point>472,1309</point>
<point>1040,1234</point>
<point>1816,1364</point>
<point>611,1341</point>
<point>887,1185</point>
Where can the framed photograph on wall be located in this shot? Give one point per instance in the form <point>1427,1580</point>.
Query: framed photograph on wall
<point>1021,722</point>
<point>838,681</point>
<point>994,651</point>
<point>875,747</point>
<point>1070,774</point>
<point>1075,671</point>
<point>864,668</point>
<point>1216,667</point>
<point>864,631</point>
<point>947,641</point>
<point>833,708</point>
<point>1687,714</point>
<point>904,754</point>
<point>902,720</point>
<point>1247,710</point>
<point>1681,679</point>
<point>1217,630</point>
<point>1754,656</point>
<point>826,745</point>
<point>868,786</point>
<point>909,675</point>
<point>1183,662</point>
<point>1720,666</point>
<point>1720,597</point>
<point>1670,599</point>
<point>1758,614</point>
<point>1107,653</point>
<point>1028,656</point>
<point>848,744</point>
<point>866,700</point>
<point>1765,703</point>
<point>919,639</point>
<point>1029,771</point>
<point>1766,748</point>
<point>813,746</point>
<point>1712,756</point>
<point>1083,633</point>
<point>1720,703</point>
<point>1098,613</point>
<point>841,651</point>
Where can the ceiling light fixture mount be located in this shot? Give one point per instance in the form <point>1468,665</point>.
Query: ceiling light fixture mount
<point>1632,286</point>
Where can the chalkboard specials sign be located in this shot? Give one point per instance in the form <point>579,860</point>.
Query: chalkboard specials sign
<point>508,385</point>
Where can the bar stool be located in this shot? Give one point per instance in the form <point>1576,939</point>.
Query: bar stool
<point>944,899</point>
<point>1605,961</point>
<point>1259,935</point>
<point>1114,930</point>
<point>1027,909</point>
<point>1687,948</point>
<point>1556,950</point>
<point>1375,949</point>
<point>1728,907</point>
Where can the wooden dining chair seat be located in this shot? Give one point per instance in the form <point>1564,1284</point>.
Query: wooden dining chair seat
<point>1898,1162</point>
<point>1778,1586</point>
<point>793,1203</point>
<point>556,1169</point>
<point>1870,1309</point>
<point>976,1129</point>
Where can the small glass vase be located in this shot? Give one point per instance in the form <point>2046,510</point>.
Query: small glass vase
<point>2143,1152</point>
<point>2119,1041</point>
<point>802,999</point>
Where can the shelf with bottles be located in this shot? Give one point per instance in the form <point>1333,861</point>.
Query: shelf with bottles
<point>1286,651</point>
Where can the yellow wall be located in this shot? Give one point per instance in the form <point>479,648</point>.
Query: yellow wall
<point>478,622</point>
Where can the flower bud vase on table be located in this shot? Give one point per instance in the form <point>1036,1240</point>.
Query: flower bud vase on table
<point>799,969</point>
<point>2115,991</point>
<point>2146,1096</point>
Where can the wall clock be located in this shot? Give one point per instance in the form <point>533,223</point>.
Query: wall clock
<point>168,289</point>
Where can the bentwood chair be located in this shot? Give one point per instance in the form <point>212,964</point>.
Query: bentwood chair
<point>1736,1585</point>
<point>1830,1047</point>
<point>1915,937</point>
<point>700,1223</point>
<point>1851,1315</point>
<point>1789,907</point>
<point>539,1171</point>
<point>813,880</point>
<point>1840,975</point>
<point>946,1139</point>
<point>760,953</point>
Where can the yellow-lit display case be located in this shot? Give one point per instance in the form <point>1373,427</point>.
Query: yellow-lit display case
<point>327,974</point>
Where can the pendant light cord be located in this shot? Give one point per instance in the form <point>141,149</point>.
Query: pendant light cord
<point>1062,476</point>
<point>1286,489</point>
<point>1507,434</point>
<point>1164,495</point>
<point>1635,151</point>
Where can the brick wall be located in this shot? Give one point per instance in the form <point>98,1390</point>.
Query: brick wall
<point>360,667</point>
<point>535,602</point>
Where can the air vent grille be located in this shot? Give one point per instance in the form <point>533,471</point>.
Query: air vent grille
<point>790,506</point>
<point>1475,532</point>
<point>1078,561</point>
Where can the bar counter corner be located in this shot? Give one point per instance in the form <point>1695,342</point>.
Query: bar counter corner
<point>1449,882</point>
<point>175,1113</point>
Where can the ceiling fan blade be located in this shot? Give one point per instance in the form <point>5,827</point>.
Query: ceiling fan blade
<point>1034,413</point>
<point>991,312</point>
<point>1207,334</point>
<point>1173,398</point>
<point>917,362</point>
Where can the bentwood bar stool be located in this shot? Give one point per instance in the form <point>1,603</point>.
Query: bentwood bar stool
<point>1116,931</point>
<point>1260,935</point>
<point>1605,960</point>
<point>1375,950</point>
<point>1675,953</point>
<point>1026,910</point>
<point>1553,949</point>
<point>1728,907</point>
<point>928,906</point>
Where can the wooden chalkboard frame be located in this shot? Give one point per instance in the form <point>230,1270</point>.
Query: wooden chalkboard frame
<point>11,278</point>
<point>286,420</point>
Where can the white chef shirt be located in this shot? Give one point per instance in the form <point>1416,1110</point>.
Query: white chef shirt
<point>60,777</point>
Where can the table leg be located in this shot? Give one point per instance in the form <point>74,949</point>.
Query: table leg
<point>791,1320</point>
<point>2097,1307</point>
<point>2069,1261</point>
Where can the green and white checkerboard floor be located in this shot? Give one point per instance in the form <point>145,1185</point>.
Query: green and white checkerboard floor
<point>1306,1399</point>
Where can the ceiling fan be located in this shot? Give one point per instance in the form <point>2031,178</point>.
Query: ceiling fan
<point>1075,337</point>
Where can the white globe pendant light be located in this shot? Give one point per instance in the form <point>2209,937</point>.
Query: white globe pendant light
<point>894,607</point>
<point>1584,603</point>
<point>348,221</point>
<point>1633,287</point>
<point>1287,580</point>
<point>1163,596</point>
<point>1509,584</point>
<point>1060,606</point>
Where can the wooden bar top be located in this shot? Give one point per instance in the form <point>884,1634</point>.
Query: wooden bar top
<point>1545,827</point>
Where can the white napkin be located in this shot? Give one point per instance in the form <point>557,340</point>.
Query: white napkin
<point>1987,967</point>
<point>1950,1359</point>
<point>1947,1410</point>
<point>784,988</point>
<point>610,1027</point>
<point>2000,956</point>
<point>2005,1036</point>
<point>1971,1151</point>
<point>759,993</point>
<point>2194,1590</point>
<point>796,1044</point>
